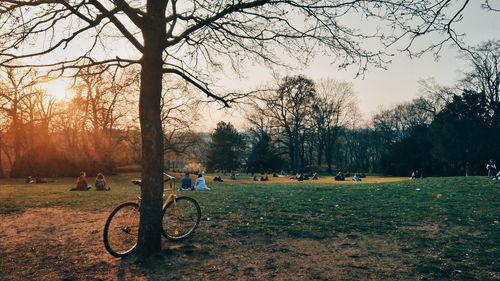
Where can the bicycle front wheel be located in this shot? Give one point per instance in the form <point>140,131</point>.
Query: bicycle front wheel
<point>180,219</point>
<point>121,230</point>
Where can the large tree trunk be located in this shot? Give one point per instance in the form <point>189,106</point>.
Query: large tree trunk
<point>2,175</point>
<point>149,241</point>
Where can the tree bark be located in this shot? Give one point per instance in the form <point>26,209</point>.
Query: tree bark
<point>2,175</point>
<point>149,241</point>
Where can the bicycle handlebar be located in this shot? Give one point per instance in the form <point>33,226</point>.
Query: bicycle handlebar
<point>169,177</point>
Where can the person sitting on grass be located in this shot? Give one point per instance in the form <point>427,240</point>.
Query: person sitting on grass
<point>100,183</point>
<point>186,183</point>
<point>340,176</point>
<point>315,176</point>
<point>496,177</point>
<point>491,168</point>
<point>356,178</point>
<point>81,183</point>
<point>200,183</point>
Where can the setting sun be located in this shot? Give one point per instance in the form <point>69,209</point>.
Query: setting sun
<point>60,88</point>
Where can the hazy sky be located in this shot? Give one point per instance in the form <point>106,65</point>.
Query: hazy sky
<point>380,87</point>
<point>377,88</point>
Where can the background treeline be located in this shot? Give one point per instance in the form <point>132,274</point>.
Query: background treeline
<point>307,125</point>
<point>299,125</point>
<point>95,130</point>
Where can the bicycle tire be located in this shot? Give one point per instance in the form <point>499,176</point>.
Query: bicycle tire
<point>123,222</point>
<point>177,227</point>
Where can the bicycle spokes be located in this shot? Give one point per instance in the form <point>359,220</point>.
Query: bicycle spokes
<point>122,230</point>
<point>180,218</point>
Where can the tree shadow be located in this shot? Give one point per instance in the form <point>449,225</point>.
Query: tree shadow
<point>172,263</point>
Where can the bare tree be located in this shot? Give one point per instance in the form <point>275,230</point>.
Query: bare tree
<point>180,113</point>
<point>104,102</point>
<point>335,105</point>
<point>395,123</point>
<point>3,129</point>
<point>485,74</point>
<point>166,36</point>
<point>17,92</point>
<point>433,96</point>
<point>288,110</point>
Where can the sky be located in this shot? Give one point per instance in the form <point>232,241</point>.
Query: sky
<point>378,88</point>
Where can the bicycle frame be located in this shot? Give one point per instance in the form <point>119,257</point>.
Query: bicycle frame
<point>180,224</point>
<point>171,195</point>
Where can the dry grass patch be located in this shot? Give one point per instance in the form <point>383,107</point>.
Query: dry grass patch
<point>65,244</point>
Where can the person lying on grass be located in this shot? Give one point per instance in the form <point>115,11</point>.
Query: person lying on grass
<point>81,183</point>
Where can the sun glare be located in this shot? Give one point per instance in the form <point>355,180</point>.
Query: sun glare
<point>60,88</point>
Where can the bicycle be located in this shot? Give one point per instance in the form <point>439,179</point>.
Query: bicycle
<point>180,218</point>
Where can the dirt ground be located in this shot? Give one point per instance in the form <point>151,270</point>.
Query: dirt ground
<point>65,244</point>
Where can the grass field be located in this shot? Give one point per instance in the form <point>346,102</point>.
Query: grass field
<point>379,229</point>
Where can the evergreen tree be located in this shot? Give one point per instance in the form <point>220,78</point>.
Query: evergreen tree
<point>263,157</point>
<point>411,153</point>
<point>225,149</point>
<point>464,136</point>
<point>459,141</point>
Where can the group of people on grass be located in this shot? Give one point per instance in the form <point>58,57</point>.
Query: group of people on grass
<point>263,178</point>
<point>491,169</point>
<point>200,183</point>
<point>341,176</point>
<point>305,177</point>
<point>101,185</point>
<point>82,184</point>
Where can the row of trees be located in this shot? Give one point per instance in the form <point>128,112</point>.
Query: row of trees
<point>95,130</point>
<point>305,119</point>
<point>304,125</point>
<point>41,135</point>
<point>296,127</point>
<point>301,125</point>
<point>448,131</point>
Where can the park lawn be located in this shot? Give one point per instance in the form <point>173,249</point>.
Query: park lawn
<point>425,229</point>
<point>16,196</point>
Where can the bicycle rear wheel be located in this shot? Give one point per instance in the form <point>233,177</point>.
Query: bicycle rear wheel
<point>122,230</point>
<point>180,218</point>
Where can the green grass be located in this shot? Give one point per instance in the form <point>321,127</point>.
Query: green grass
<point>451,225</point>
<point>16,196</point>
